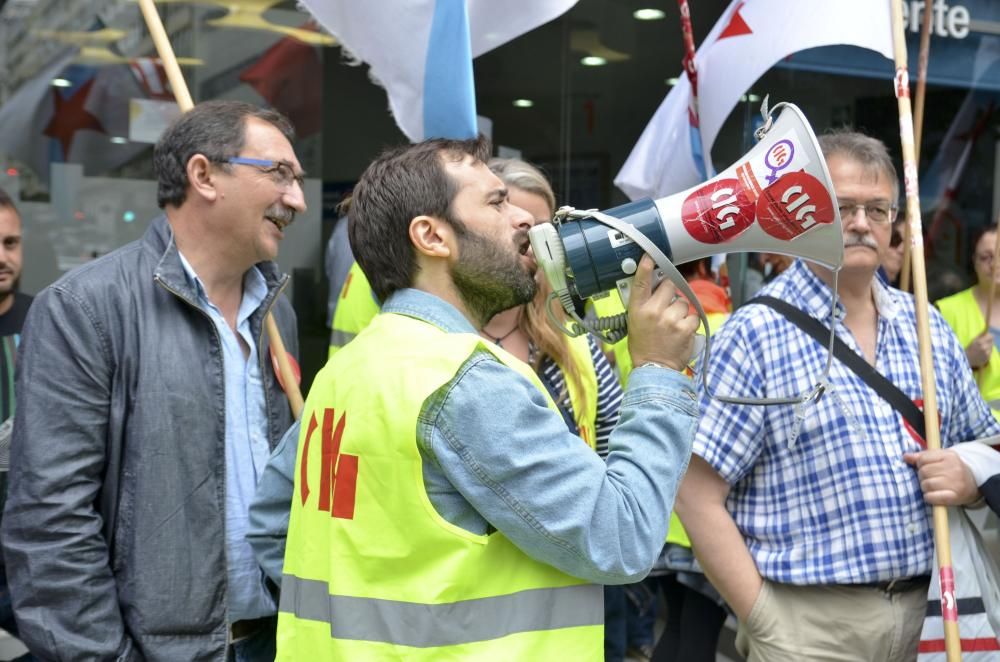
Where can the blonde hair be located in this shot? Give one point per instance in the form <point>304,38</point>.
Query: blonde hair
<point>534,321</point>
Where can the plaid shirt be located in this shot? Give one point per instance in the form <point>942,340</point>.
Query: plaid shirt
<point>825,497</point>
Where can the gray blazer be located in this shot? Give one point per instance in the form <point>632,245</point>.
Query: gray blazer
<point>113,531</point>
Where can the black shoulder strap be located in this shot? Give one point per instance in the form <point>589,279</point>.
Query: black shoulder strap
<point>821,334</point>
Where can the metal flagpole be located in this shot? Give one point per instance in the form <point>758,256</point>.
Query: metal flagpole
<point>183,96</point>
<point>946,576</point>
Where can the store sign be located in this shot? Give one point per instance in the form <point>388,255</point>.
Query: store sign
<point>964,50</point>
<point>946,20</point>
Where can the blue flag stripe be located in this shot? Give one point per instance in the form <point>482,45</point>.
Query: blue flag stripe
<point>449,89</point>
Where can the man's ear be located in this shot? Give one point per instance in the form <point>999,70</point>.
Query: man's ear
<point>201,178</point>
<point>432,236</point>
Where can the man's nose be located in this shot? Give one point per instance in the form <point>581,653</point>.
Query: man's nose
<point>295,197</point>
<point>521,219</point>
<point>856,218</point>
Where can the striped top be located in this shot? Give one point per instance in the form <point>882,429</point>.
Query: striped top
<point>609,393</point>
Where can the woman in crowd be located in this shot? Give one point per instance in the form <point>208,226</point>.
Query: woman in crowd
<point>966,313</point>
<point>576,373</point>
<point>574,370</point>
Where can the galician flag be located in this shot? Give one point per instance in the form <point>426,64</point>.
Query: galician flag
<point>750,38</point>
<point>421,51</point>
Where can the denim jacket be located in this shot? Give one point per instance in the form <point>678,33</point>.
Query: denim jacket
<point>495,456</point>
<point>114,527</point>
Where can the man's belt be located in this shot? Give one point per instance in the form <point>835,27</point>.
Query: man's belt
<point>901,584</point>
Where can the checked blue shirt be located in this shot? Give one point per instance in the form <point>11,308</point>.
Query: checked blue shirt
<point>825,497</point>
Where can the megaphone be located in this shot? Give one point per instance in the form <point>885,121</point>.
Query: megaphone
<point>778,198</point>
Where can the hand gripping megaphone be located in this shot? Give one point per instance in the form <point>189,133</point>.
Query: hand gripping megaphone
<point>778,198</point>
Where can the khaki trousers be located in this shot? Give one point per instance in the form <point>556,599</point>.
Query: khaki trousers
<point>834,623</point>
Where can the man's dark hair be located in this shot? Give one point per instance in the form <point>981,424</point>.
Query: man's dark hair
<point>7,202</point>
<point>216,129</point>
<point>401,184</point>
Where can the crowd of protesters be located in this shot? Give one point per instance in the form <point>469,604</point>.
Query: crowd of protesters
<point>465,481</point>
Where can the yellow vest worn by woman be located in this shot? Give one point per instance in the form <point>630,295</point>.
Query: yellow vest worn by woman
<point>584,401</point>
<point>966,319</point>
<point>372,571</point>
<point>355,309</point>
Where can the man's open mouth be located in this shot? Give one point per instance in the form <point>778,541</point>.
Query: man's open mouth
<point>282,221</point>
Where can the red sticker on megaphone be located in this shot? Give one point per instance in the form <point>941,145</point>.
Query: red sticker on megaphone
<point>793,205</point>
<point>718,212</point>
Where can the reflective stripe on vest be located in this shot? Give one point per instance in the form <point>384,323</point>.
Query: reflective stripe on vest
<point>450,624</point>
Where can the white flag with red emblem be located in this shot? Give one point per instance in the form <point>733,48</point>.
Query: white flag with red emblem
<point>750,38</point>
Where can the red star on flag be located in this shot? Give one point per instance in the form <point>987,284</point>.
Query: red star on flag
<point>70,116</point>
<point>737,26</point>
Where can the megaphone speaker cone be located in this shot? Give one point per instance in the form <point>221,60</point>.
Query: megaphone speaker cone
<point>778,198</point>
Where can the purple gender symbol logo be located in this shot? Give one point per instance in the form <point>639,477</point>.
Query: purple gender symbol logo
<point>778,158</point>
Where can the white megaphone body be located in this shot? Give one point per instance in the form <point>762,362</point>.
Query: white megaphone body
<point>778,198</point>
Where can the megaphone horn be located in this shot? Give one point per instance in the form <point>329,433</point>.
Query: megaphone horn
<point>778,199</point>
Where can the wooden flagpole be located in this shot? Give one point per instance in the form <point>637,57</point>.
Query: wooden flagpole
<point>166,52</point>
<point>946,576</point>
<point>918,132</point>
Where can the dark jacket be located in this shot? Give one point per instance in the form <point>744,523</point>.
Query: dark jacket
<point>114,527</point>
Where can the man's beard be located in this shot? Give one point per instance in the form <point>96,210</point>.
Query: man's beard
<point>488,278</point>
<point>8,292</point>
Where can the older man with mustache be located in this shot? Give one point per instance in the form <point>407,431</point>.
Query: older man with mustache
<point>148,407</point>
<point>811,518</point>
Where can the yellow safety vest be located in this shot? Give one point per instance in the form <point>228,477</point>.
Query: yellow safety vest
<point>355,309</point>
<point>963,314</point>
<point>372,571</point>
<point>584,402</point>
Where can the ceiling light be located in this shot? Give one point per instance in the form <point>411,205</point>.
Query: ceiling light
<point>118,140</point>
<point>673,81</point>
<point>593,61</point>
<point>523,103</point>
<point>753,98</point>
<point>648,14</point>
<point>61,82</point>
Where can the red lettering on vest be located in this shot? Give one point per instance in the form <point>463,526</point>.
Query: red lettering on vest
<point>339,471</point>
<point>304,469</point>
<point>347,285</point>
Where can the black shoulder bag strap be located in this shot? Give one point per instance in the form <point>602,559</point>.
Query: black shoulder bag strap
<point>821,334</point>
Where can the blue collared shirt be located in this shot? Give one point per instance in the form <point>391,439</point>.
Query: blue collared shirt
<point>495,456</point>
<point>828,499</point>
<point>247,448</point>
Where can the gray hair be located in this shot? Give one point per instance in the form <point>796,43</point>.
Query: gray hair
<point>869,152</point>
<point>524,176</point>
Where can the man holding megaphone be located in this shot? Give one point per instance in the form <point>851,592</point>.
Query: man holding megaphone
<point>808,517</point>
<point>441,507</point>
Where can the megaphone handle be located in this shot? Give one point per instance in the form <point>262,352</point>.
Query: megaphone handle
<point>665,266</point>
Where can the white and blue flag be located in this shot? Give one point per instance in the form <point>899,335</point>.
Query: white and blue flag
<point>421,51</point>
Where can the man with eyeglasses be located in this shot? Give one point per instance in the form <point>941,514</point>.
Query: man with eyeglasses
<point>810,518</point>
<point>149,407</point>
